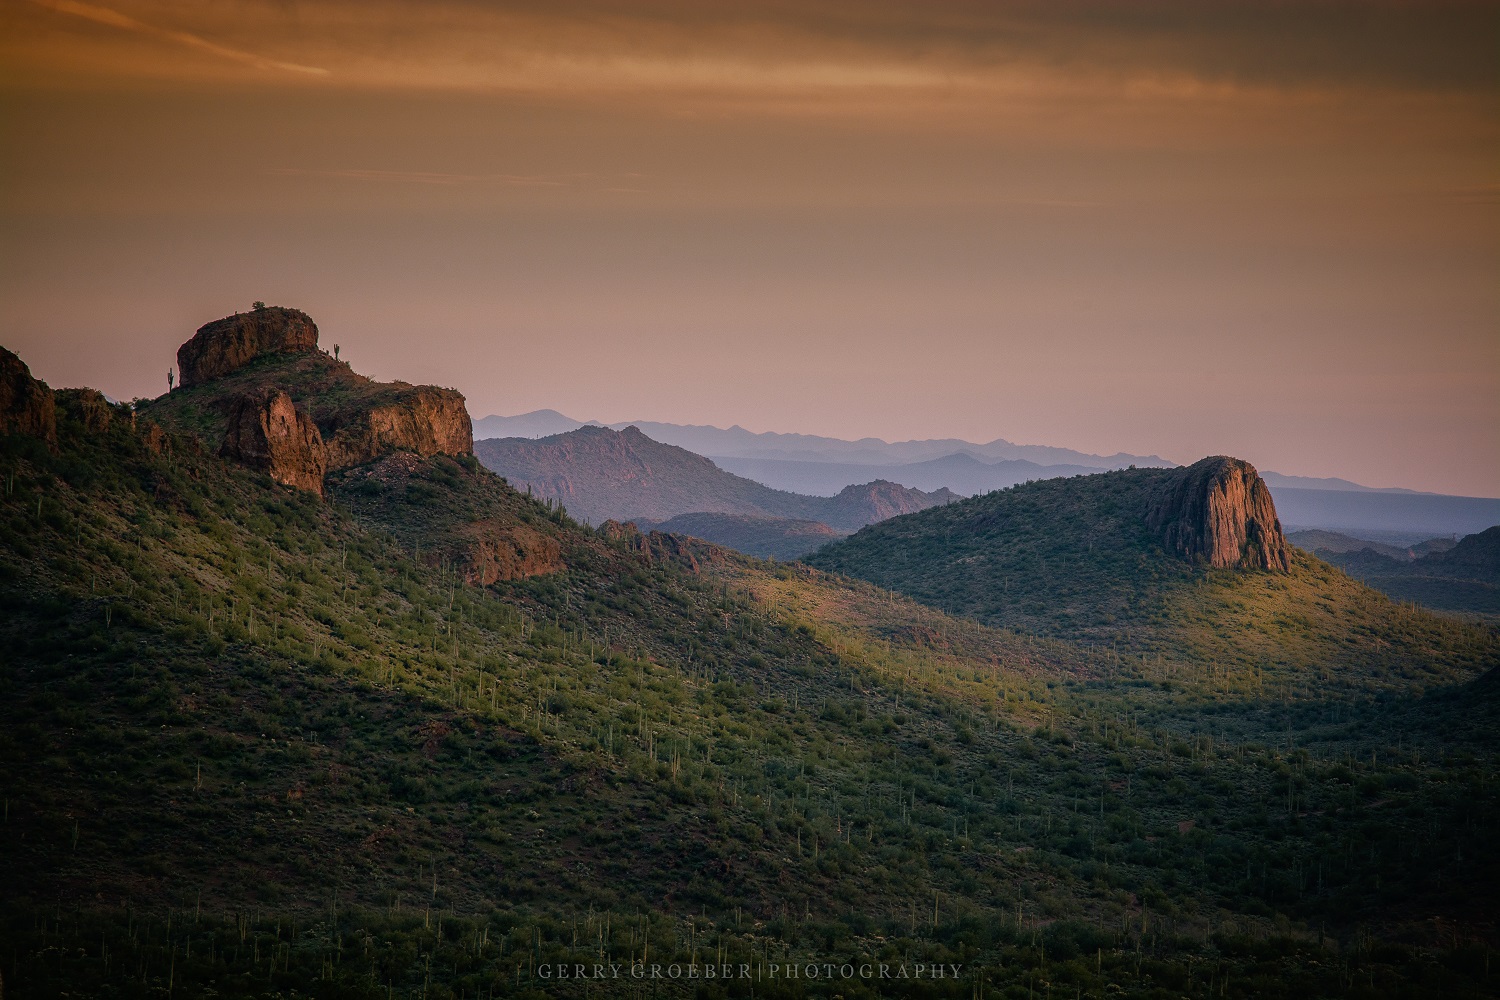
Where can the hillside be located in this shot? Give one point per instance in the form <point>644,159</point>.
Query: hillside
<point>1463,577</point>
<point>1102,558</point>
<point>599,474</point>
<point>259,741</point>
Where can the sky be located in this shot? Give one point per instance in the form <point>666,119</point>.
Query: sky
<point>1267,229</point>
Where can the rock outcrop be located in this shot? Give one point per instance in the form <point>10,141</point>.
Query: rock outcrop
<point>153,437</point>
<point>298,413</point>
<point>267,432</point>
<point>224,345</point>
<point>88,407</point>
<point>662,547</point>
<point>418,418</point>
<point>494,550</point>
<point>26,404</point>
<point>1219,511</point>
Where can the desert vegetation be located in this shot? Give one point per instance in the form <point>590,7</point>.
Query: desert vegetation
<point>267,743</point>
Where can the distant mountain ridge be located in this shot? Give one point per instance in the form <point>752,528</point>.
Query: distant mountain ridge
<point>600,474</point>
<point>1416,516</point>
<point>811,463</point>
<point>1320,542</point>
<point>737,442</point>
<point>820,466</point>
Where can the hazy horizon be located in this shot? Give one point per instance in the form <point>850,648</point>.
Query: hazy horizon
<point>1164,228</point>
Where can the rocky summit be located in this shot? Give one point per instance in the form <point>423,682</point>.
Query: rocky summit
<point>1218,510</point>
<point>257,390</point>
<point>224,345</point>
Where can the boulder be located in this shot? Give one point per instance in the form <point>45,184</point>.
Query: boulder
<point>26,404</point>
<point>226,344</point>
<point>1219,511</point>
<point>267,432</point>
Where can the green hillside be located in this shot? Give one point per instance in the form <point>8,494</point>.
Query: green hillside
<point>1074,558</point>
<point>261,743</point>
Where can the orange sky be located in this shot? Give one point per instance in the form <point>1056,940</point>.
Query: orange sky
<point>1184,228</point>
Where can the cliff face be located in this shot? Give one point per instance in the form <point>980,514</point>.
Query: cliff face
<point>422,419</point>
<point>26,404</point>
<point>88,407</point>
<point>267,432</point>
<point>224,345</point>
<point>1219,510</point>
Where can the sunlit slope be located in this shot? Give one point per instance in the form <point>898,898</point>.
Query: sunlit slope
<point>1075,559</point>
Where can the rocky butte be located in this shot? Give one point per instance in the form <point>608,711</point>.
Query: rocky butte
<point>220,347</point>
<point>1219,511</point>
<point>257,390</point>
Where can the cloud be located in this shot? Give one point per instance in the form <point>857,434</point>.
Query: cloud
<point>115,19</point>
<point>846,47</point>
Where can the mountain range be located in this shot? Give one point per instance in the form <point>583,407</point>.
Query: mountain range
<point>600,474</point>
<point>821,466</point>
